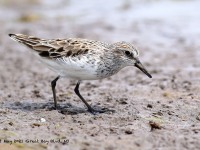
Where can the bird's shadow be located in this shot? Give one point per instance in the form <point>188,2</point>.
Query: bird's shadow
<point>63,108</point>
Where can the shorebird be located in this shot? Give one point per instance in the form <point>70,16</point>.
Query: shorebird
<point>82,59</point>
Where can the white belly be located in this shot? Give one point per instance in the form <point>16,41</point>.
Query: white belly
<point>75,69</point>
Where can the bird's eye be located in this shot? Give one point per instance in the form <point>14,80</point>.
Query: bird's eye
<point>128,53</point>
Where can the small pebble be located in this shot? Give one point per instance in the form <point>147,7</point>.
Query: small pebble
<point>42,120</point>
<point>10,123</point>
<point>154,125</point>
<point>149,106</point>
<point>128,132</point>
<point>198,117</point>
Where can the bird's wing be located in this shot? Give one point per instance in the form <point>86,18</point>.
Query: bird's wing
<point>57,48</point>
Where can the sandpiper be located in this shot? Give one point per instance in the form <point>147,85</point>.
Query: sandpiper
<point>82,59</point>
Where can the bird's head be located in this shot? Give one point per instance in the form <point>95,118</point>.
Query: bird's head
<point>128,54</point>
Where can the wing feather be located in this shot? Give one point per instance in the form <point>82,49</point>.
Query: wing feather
<point>57,48</point>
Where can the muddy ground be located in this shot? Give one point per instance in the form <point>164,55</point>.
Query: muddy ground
<point>160,113</point>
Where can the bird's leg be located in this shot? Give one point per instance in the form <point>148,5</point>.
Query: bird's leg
<point>76,90</point>
<point>90,109</point>
<point>53,85</point>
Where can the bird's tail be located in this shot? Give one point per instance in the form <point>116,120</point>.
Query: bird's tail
<point>26,40</point>
<point>36,44</point>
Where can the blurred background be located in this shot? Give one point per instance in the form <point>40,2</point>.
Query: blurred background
<point>149,22</point>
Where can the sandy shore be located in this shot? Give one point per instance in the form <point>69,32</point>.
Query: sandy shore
<point>160,113</point>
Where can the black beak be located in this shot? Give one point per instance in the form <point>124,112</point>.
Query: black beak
<point>141,67</point>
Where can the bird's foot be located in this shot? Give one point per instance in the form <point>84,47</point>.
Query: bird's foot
<point>96,111</point>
